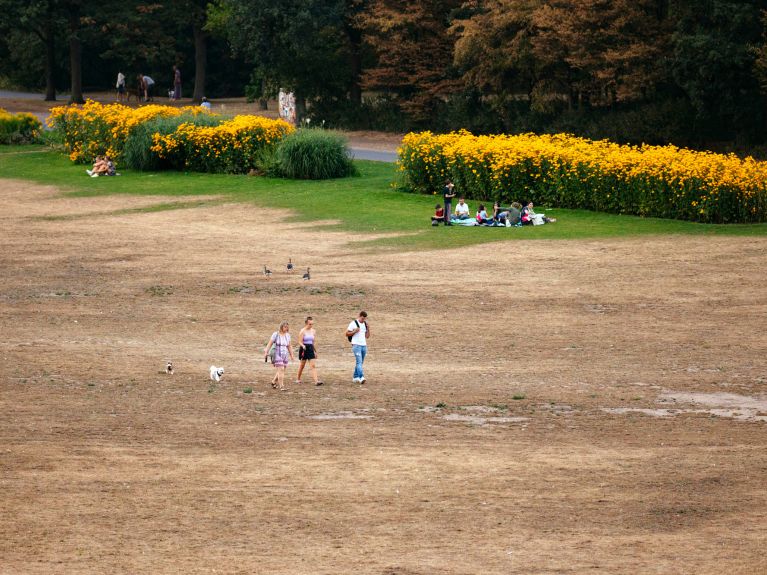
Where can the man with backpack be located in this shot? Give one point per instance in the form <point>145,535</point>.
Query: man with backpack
<point>357,333</point>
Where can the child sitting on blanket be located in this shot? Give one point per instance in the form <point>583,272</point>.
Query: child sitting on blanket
<point>482,217</point>
<point>439,215</point>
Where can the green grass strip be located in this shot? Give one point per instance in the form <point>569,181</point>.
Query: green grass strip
<point>366,204</point>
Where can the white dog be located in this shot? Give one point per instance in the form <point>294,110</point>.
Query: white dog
<point>169,368</point>
<point>216,373</point>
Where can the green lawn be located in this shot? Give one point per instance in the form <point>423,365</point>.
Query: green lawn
<point>365,204</point>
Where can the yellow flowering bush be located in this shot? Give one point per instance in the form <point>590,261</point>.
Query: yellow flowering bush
<point>231,146</point>
<point>566,171</point>
<point>19,128</point>
<point>94,128</point>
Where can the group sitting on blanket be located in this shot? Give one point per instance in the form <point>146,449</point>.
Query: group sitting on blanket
<point>515,215</point>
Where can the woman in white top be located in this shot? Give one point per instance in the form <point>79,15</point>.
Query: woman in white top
<point>280,340</point>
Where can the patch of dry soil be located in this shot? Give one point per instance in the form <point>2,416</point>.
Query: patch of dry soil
<point>109,466</point>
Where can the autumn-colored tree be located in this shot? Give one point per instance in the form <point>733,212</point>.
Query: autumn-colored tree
<point>612,50</point>
<point>493,49</point>
<point>414,51</point>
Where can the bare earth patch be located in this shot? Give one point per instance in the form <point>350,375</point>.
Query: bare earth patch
<point>480,443</point>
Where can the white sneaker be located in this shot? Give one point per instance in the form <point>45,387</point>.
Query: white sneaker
<point>90,173</point>
<point>356,380</point>
<point>362,380</point>
<point>94,175</point>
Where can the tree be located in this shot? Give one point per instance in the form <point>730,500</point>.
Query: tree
<point>414,51</point>
<point>714,64</point>
<point>298,45</point>
<point>41,18</point>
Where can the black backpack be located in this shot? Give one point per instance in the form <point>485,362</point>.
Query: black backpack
<point>349,337</point>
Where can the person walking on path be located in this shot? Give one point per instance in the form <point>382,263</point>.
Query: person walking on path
<point>176,83</point>
<point>448,194</point>
<point>280,341</point>
<point>120,87</point>
<point>358,332</point>
<point>307,350</point>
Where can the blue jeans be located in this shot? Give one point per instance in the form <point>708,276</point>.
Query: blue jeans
<point>359,351</point>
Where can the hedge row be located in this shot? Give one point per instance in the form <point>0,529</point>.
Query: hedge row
<point>565,171</point>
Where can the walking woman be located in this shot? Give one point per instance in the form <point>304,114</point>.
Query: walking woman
<point>307,350</point>
<point>280,341</point>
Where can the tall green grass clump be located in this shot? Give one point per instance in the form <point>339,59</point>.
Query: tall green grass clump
<point>314,154</point>
<point>138,153</point>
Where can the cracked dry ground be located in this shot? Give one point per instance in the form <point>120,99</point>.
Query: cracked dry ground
<point>481,443</point>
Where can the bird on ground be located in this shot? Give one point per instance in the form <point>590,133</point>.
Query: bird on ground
<point>306,276</point>
<point>290,264</point>
<point>267,272</point>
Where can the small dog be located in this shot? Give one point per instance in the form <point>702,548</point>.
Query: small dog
<point>169,368</point>
<point>216,373</point>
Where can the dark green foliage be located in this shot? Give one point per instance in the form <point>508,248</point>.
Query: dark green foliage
<point>138,154</point>
<point>314,154</point>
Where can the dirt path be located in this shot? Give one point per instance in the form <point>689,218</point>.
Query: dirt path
<point>546,407</point>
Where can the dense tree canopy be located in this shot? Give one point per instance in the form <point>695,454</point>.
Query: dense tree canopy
<point>636,70</point>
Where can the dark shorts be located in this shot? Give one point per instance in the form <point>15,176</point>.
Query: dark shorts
<point>306,353</point>
<point>121,89</point>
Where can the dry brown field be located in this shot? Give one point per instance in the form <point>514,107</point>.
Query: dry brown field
<point>541,407</point>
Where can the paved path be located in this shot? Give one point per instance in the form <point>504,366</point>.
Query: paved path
<point>375,155</point>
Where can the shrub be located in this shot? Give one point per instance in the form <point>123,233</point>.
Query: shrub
<point>138,153</point>
<point>95,129</point>
<point>230,147</point>
<point>20,128</point>
<point>154,136</point>
<point>314,154</point>
<point>562,170</point>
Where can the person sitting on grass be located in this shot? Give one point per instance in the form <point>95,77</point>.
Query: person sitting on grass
<point>529,217</point>
<point>99,165</point>
<point>439,215</point>
<point>500,215</point>
<point>462,210</point>
<point>103,166</point>
<point>482,218</point>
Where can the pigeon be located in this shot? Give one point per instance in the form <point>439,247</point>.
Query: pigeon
<point>290,264</point>
<point>216,373</point>
<point>307,276</point>
<point>169,368</point>
<point>267,272</point>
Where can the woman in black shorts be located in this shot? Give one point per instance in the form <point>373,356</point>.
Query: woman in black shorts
<point>307,350</point>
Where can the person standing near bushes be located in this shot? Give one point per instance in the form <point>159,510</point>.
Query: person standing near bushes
<point>120,87</point>
<point>448,194</point>
<point>176,83</point>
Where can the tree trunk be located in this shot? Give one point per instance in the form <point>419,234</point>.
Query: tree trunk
<point>200,62</point>
<point>300,107</point>
<point>75,56</point>
<point>355,63</point>
<point>50,62</point>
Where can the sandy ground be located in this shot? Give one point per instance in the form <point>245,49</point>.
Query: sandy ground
<point>538,407</point>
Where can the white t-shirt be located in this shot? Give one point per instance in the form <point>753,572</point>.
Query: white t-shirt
<point>462,209</point>
<point>359,337</point>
